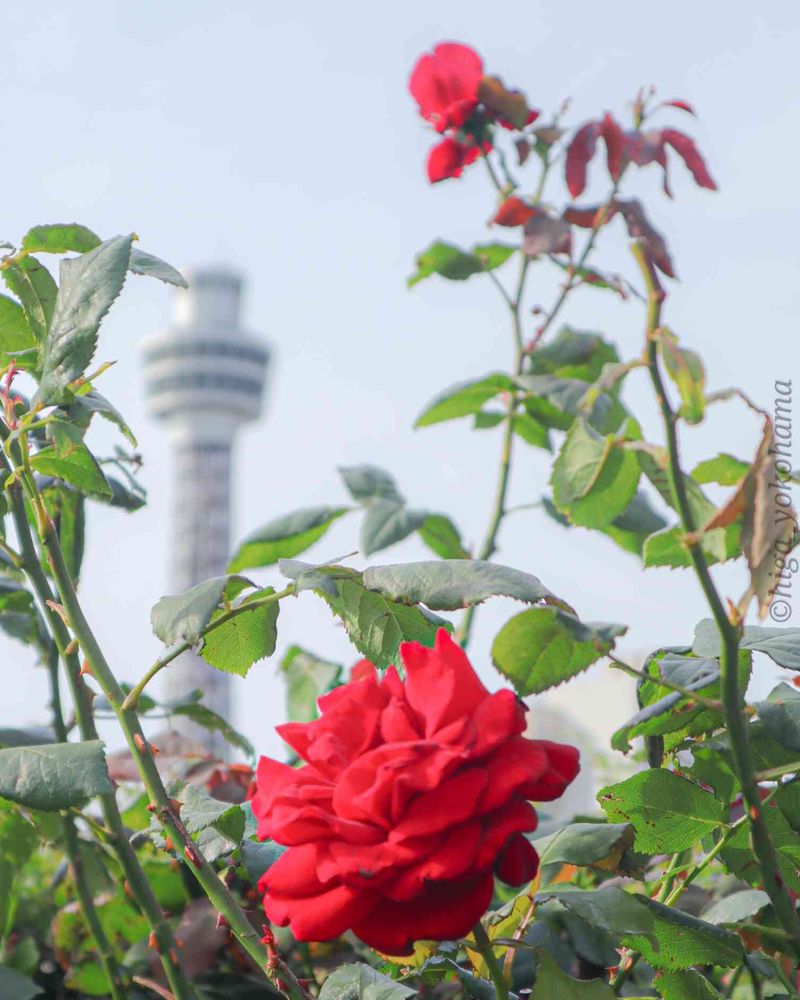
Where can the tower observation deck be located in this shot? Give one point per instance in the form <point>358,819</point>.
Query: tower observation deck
<point>204,378</point>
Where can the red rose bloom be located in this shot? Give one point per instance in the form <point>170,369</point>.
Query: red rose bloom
<point>445,85</point>
<point>412,796</point>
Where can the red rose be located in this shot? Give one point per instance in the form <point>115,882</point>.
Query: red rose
<point>445,85</point>
<point>413,795</point>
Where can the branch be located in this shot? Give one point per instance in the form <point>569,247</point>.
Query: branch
<point>763,847</point>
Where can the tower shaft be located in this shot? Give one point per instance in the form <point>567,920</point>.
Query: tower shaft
<point>200,541</point>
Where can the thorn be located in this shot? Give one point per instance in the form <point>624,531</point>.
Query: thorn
<point>175,806</point>
<point>59,609</point>
<point>221,922</point>
<point>152,941</point>
<point>191,856</point>
<point>126,888</point>
<point>168,845</point>
<point>72,647</point>
<point>85,669</point>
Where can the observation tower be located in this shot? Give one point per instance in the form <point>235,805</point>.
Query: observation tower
<point>204,378</point>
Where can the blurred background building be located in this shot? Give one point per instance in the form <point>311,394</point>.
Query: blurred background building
<point>204,377</point>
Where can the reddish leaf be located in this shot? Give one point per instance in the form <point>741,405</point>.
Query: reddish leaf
<point>688,152</point>
<point>683,105</point>
<point>579,153</point>
<point>544,234</point>
<point>640,227</point>
<point>509,107</point>
<point>586,218</point>
<point>513,212</point>
<point>548,134</point>
<point>523,150</point>
<point>615,145</point>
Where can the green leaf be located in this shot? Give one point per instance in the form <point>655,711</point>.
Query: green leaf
<point>630,530</point>
<point>18,836</point>
<point>285,537</point>
<point>664,710</point>
<point>531,431</point>
<point>593,479</point>
<point>449,584</point>
<point>685,368</point>
<point>79,468</point>
<point>780,716</point>
<point>738,907</point>
<point>555,402</point>
<point>376,624</point>
<point>258,857</point>
<point>67,510</point>
<point>739,858</point>
<point>15,334</point>
<point>67,237</point>
<point>84,407</point>
<point>214,723</point>
<point>464,399</point>
<point>241,641</point>
<point>57,776</point>
<point>441,536</point>
<point>666,548</point>
<point>387,522</point>
<point>89,285</point>
<point>599,845</point>
<point>15,986</point>
<point>574,354</point>
<point>153,267</point>
<point>723,469</point>
<point>361,982</point>
<point>543,647</point>
<point>447,261</point>
<point>182,617</point>
<point>125,496</point>
<point>307,678</point>
<point>552,982</point>
<point>200,810</point>
<point>34,286</point>
<point>686,985</point>
<point>667,938</point>
<point>368,482</point>
<point>669,813</point>
<point>493,255</point>
<point>781,644</point>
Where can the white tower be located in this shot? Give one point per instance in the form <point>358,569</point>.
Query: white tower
<point>204,377</point>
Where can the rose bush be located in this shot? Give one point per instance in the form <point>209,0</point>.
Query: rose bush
<point>413,794</point>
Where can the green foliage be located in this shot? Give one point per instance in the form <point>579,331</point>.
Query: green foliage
<point>89,285</point>
<point>723,469</point>
<point>307,678</point>
<point>455,583</point>
<point>183,617</point>
<point>36,290</point>
<point>79,468</point>
<point>668,813</point>
<point>360,982</point>
<point>685,986</point>
<point>376,623</point>
<point>54,776</point>
<point>741,905</point>
<point>542,647</point>
<point>781,644</point>
<point>594,478</point>
<point>16,986</point>
<point>686,370</point>
<point>237,643</point>
<point>450,262</point>
<point>284,537</point>
<point>667,938</point>
<point>551,982</point>
<point>464,399</point>
<point>599,845</point>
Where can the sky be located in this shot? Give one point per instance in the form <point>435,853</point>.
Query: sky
<point>286,144</point>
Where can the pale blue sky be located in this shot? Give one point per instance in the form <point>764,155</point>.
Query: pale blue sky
<point>287,144</point>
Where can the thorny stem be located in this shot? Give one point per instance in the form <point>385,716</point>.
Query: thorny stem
<point>486,950</point>
<point>136,879</point>
<point>143,757</point>
<point>761,841</point>
<point>710,703</point>
<point>133,696</point>
<point>105,952</point>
